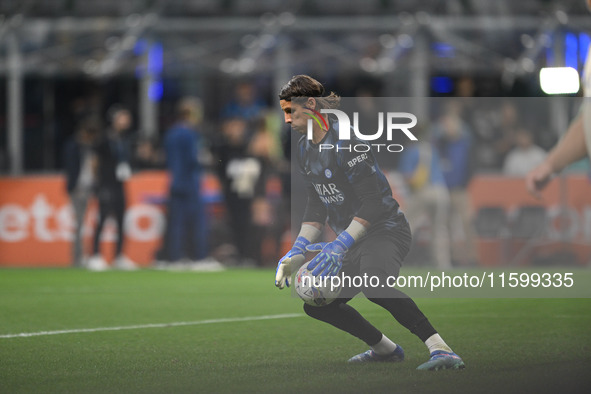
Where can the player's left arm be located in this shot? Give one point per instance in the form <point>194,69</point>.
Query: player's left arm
<point>570,148</point>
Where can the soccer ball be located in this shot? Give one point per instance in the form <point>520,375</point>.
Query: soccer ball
<point>314,290</point>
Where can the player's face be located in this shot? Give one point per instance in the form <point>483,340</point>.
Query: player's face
<point>589,5</point>
<point>294,115</point>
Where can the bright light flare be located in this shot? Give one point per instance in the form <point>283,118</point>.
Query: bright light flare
<point>559,80</point>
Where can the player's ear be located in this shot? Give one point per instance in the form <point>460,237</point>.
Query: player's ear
<point>311,103</point>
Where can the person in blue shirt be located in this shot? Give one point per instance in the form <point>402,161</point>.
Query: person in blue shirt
<point>187,223</point>
<point>245,104</point>
<point>348,190</point>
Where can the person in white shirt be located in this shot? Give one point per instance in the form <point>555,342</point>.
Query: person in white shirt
<point>525,156</point>
<point>574,146</point>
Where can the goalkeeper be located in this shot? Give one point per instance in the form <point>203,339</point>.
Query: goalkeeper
<point>348,190</point>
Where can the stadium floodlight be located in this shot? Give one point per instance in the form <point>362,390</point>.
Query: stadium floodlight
<point>559,80</point>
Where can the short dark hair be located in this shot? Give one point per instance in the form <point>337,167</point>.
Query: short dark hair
<point>306,86</point>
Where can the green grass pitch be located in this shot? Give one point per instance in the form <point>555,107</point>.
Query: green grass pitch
<point>508,345</point>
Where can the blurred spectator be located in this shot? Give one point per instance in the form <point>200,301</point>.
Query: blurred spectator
<point>420,165</point>
<point>112,171</point>
<point>80,164</point>
<point>505,132</point>
<point>3,159</point>
<point>147,155</point>
<point>368,107</point>
<point>525,156</point>
<point>245,104</point>
<point>186,234</point>
<point>453,142</point>
<point>494,133</point>
<point>267,214</point>
<point>241,173</point>
<point>465,87</point>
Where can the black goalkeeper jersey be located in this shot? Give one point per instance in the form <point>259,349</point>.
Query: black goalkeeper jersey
<point>337,178</point>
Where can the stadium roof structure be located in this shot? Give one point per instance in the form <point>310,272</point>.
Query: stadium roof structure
<point>197,8</point>
<point>105,38</point>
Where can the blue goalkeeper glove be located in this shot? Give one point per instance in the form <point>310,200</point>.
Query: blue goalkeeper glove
<point>330,259</point>
<point>291,262</point>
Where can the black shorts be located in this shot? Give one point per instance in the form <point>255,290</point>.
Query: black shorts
<point>379,253</point>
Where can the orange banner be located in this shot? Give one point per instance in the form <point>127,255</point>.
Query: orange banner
<point>37,221</point>
<point>566,202</point>
<point>567,198</point>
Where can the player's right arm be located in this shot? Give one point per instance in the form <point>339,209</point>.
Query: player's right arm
<point>569,149</point>
<point>311,230</point>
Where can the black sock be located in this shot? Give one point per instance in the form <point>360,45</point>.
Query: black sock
<point>344,317</point>
<point>408,314</point>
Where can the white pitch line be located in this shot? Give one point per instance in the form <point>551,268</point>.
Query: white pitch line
<point>157,325</point>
